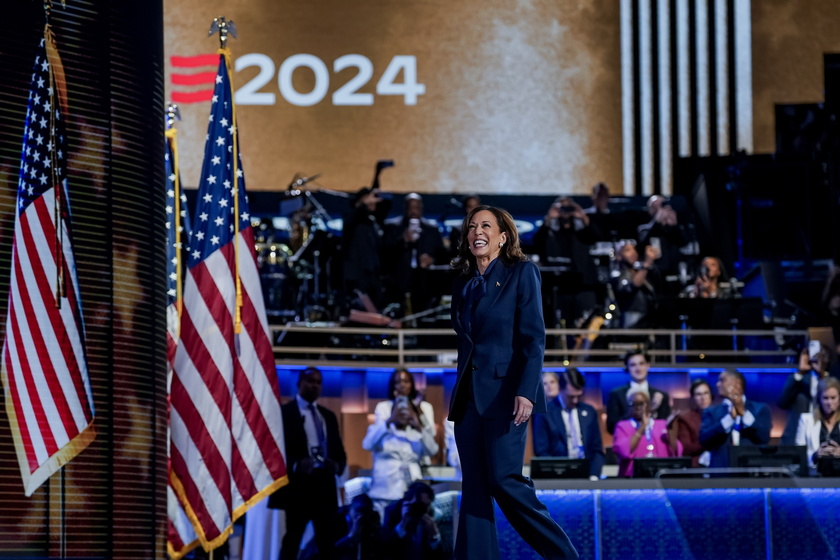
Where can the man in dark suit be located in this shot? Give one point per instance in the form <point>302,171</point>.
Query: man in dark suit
<point>314,457</point>
<point>570,428</point>
<point>736,421</point>
<point>637,364</point>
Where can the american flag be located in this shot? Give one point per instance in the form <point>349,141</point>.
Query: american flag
<point>181,537</point>
<point>44,371</point>
<point>226,428</point>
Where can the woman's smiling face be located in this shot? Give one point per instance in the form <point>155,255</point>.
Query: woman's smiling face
<point>484,236</point>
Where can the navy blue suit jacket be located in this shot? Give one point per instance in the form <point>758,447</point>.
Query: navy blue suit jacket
<point>550,435</point>
<point>506,347</point>
<point>716,439</point>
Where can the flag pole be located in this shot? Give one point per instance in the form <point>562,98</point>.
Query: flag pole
<point>58,190</point>
<point>225,28</point>
<point>173,114</point>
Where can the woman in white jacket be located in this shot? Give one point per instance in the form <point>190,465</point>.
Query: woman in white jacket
<point>820,431</point>
<point>401,439</point>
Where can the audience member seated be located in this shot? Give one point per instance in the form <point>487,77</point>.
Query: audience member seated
<point>570,427</point>
<point>570,279</point>
<point>737,421</point>
<point>410,245</point>
<point>551,384</point>
<point>410,531</point>
<point>710,276</point>
<point>401,439</point>
<point>640,435</point>
<point>819,431</point>
<point>636,285</point>
<point>314,458</point>
<point>468,202</point>
<point>664,232</point>
<point>800,390</point>
<point>637,365</point>
<point>685,424</point>
<point>363,540</point>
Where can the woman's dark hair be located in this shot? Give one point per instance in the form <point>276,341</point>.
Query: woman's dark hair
<point>696,383</point>
<point>724,276</point>
<point>392,383</point>
<point>510,253</point>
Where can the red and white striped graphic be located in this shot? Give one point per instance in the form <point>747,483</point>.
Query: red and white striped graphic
<point>193,77</point>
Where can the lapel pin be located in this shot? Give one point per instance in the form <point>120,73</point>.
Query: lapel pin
<point>498,285</point>
<point>583,413</point>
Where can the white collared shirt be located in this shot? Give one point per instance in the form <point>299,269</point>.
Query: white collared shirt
<point>643,386</point>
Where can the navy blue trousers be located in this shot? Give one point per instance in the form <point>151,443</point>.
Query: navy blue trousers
<point>491,452</point>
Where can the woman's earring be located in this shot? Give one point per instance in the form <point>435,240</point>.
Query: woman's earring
<point>501,244</point>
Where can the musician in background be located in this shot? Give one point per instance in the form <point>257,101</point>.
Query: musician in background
<point>637,284</point>
<point>570,279</point>
<point>362,242</point>
<point>411,244</point>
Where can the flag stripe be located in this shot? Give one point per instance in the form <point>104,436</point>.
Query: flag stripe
<point>62,354</point>
<point>197,504</point>
<point>208,354</point>
<point>46,312</point>
<point>42,384</point>
<point>210,450</point>
<point>39,442</point>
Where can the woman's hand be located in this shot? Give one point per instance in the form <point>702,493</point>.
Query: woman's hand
<point>522,408</point>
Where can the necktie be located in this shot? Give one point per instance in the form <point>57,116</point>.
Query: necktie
<point>319,428</point>
<point>575,428</point>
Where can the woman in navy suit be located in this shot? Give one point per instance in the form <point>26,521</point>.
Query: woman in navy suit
<point>497,315</point>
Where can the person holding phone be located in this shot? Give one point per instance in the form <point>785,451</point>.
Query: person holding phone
<point>819,431</point>
<point>800,390</point>
<point>709,282</point>
<point>401,439</point>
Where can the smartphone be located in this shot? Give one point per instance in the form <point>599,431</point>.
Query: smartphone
<point>813,349</point>
<point>656,243</point>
